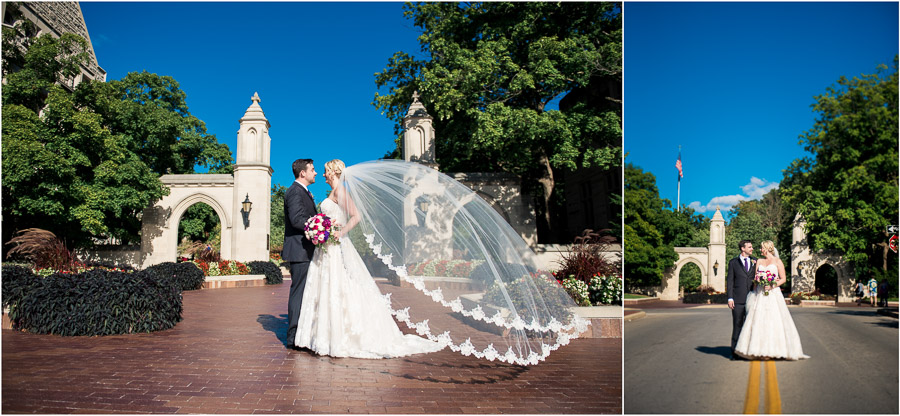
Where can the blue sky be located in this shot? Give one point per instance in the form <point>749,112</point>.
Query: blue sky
<point>732,83</point>
<point>313,65</point>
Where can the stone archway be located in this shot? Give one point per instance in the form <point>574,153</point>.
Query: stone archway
<point>826,280</point>
<point>686,255</point>
<point>159,234</point>
<point>805,264</point>
<point>245,236</point>
<point>710,259</point>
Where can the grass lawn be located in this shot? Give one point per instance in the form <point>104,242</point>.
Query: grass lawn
<point>634,296</point>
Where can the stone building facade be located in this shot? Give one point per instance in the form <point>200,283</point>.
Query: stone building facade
<point>57,18</point>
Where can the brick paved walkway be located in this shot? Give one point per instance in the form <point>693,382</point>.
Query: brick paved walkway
<point>228,356</point>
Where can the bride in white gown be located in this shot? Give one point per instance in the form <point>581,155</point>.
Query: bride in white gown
<point>343,312</point>
<point>769,331</point>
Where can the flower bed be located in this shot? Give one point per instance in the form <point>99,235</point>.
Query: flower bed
<point>600,290</point>
<point>520,292</point>
<point>222,268</point>
<point>443,268</point>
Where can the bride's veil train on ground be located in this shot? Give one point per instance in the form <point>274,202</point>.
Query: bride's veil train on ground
<point>481,292</point>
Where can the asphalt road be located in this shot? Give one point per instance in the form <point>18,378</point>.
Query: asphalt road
<point>677,361</point>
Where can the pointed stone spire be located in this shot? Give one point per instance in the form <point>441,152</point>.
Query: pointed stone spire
<point>718,215</point>
<point>417,109</point>
<point>254,112</point>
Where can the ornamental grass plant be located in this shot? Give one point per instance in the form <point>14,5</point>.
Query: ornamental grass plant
<point>585,260</point>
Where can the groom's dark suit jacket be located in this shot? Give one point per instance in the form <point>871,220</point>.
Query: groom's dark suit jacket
<point>299,206</point>
<point>738,281</point>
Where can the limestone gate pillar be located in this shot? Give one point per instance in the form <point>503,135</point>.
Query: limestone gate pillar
<point>717,261</point>
<point>253,182</point>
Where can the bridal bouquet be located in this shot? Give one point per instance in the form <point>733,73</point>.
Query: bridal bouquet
<point>319,229</point>
<point>766,278</point>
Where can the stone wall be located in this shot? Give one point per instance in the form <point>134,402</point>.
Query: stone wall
<point>58,18</point>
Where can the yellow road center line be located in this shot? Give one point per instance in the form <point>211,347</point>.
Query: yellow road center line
<point>751,401</point>
<point>773,397</point>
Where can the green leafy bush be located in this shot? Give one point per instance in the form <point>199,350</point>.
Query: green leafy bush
<point>272,272</point>
<point>98,302</point>
<point>186,275</point>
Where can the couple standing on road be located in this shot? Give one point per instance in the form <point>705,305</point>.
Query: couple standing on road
<point>763,327</point>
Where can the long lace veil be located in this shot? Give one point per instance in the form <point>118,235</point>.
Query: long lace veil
<point>481,291</point>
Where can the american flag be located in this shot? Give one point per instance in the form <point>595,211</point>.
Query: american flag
<point>678,166</point>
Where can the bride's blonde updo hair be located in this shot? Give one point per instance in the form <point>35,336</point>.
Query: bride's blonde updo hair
<point>769,247</point>
<point>336,166</point>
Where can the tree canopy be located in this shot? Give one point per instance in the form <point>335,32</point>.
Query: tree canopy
<point>85,163</point>
<point>847,189</point>
<point>493,68</point>
<point>653,229</point>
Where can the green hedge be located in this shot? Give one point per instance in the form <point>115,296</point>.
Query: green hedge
<point>95,302</point>
<point>186,274</point>
<point>272,272</point>
<point>701,297</point>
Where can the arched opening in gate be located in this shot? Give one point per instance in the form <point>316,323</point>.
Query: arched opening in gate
<point>690,277</point>
<point>200,233</point>
<point>827,280</point>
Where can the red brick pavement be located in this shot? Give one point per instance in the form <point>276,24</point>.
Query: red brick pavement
<point>228,356</point>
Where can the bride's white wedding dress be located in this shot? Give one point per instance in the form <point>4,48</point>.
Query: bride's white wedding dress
<point>343,313</point>
<point>769,330</point>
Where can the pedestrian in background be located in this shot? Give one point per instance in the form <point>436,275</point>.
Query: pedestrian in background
<point>873,290</point>
<point>883,289</point>
<point>859,290</point>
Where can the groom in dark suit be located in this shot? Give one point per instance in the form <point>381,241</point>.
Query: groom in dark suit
<point>737,285</point>
<point>299,206</point>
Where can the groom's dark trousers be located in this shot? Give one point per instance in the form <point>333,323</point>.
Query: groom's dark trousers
<point>737,286</point>
<point>299,206</point>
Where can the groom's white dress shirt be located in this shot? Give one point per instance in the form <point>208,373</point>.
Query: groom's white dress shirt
<point>304,186</point>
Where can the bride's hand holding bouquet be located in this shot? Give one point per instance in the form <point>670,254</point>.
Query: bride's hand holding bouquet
<point>320,229</point>
<point>766,278</point>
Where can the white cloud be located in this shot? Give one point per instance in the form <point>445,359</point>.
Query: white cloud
<point>758,187</point>
<point>752,191</point>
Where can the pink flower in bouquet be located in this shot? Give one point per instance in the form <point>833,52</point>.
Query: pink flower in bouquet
<point>766,278</point>
<point>319,229</point>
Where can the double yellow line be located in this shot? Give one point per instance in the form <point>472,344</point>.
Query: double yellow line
<point>772,396</point>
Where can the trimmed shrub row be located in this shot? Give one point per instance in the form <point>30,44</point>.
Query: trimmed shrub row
<point>701,297</point>
<point>95,302</point>
<point>272,272</point>
<point>186,275</point>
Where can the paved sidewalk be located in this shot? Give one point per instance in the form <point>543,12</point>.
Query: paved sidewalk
<point>228,356</point>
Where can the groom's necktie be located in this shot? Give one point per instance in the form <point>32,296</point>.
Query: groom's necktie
<point>746,265</point>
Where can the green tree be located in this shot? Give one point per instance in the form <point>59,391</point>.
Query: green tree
<point>690,277</point>
<point>492,69</point>
<point>749,221</point>
<point>847,189</point>
<point>85,163</point>
<point>646,254</point>
<point>653,230</point>
<point>198,223</point>
<point>276,233</point>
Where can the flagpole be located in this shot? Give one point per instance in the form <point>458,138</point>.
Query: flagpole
<point>678,201</point>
